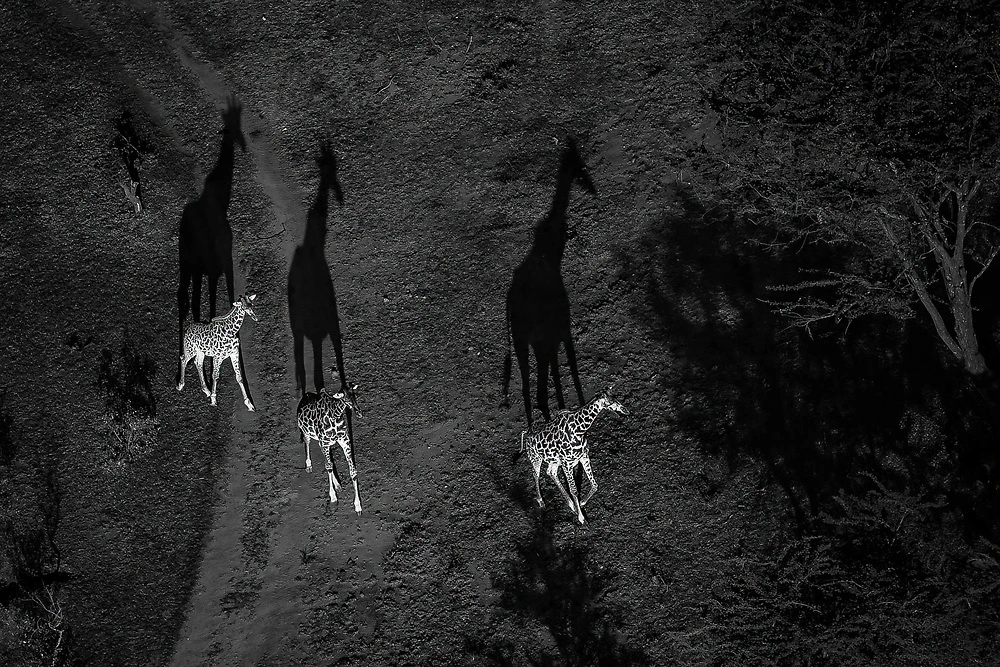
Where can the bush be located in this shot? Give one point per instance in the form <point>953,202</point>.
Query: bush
<point>884,579</point>
<point>129,418</point>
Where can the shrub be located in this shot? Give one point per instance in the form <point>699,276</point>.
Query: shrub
<point>129,418</point>
<point>882,579</point>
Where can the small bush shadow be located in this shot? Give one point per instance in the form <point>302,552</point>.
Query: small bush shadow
<point>558,588</point>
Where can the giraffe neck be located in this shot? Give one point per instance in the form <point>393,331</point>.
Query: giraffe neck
<point>584,418</point>
<point>219,183</point>
<point>338,406</point>
<point>232,322</point>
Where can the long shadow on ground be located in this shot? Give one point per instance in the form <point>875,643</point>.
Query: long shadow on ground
<point>823,415</point>
<point>538,312</point>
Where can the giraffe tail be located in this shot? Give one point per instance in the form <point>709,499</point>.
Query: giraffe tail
<point>518,453</point>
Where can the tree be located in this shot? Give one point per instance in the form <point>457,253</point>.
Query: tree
<point>871,129</point>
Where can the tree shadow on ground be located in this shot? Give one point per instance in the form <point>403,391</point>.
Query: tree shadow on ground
<point>822,414</point>
<point>538,310</point>
<point>559,589</point>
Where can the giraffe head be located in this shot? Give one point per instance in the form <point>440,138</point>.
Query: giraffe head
<point>246,303</point>
<point>606,402</point>
<point>348,395</point>
<point>231,127</point>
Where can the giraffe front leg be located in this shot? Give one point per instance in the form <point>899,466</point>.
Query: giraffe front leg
<point>199,362</point>
<point>585,461</point>
<point>216,369</point>
<point>553,472</point>
<point>334,482</point>
<point>235,359</point>
<point>346,446</point>
<point>568,471</point>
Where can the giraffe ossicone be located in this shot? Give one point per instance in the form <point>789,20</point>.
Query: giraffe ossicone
<point>322,417</point>
<point>562,443</point>
<point>218,339</point>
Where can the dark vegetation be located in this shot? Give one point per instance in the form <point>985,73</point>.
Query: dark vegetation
<point>33,628</point>
<point>870,128</point>
<point>125,377</point>
<point>844,174</point>
<point>131,148</point>
<point>558,588</point>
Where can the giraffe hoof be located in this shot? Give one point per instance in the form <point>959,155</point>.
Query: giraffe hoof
<point>541,503</point>
<point>250,406</point>
<point>180,386</point>
<point>309,467</point>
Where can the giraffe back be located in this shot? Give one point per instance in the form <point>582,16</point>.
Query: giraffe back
<point>322,416</point>
<point>554,441</point>
<point>210,338</point>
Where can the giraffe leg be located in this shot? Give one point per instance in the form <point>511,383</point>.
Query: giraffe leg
<point>199,362</point>
<point>523,364</point>
<point>542,390</point>
<point>185,358</point>
<point>585,461</point>
<point>553,472</point>
<point>537,465</point>
<point>196,296</point>
<point>309,463</point>
<point>300,364</point>
<point>216,369</point>
<point>334,482</point>
<point>345,444</point>
<point>318,381</point>
<point>573,370</point>
<point>571,483</point>
<point>213,288</point>
<point>556,382</point>
<point>235,358</point>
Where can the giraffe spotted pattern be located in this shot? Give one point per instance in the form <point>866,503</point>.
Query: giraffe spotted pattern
<point>323,417</point>
<point>562,443</point>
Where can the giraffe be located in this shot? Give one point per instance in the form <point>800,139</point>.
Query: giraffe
<point>537,307</point>
<point>205,244</point>
<point>562,444</point>
<point>312,300</point>
<point>322,417</point>
<point>218,339</point>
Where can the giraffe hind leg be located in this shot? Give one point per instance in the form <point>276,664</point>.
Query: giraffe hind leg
<point>537,465</point>
<point>585,461</point>
<point>568,471</point>
<point>334,482</point>
<point>199,362</point>
<point>235,359</point>
<point>553,472</point>
<point>216,369</point>
<point>309,463</point>
<point>345,444</point>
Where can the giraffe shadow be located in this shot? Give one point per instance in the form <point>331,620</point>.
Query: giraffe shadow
<point>537,304</point>
<point>557,588</point>
<point>205,238</point>
<point>312,298</point>
<point>823,414</point>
